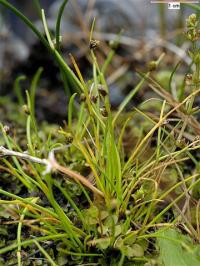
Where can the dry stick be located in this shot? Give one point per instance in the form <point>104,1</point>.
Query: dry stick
<point>23,155</point>
<point>74,175</point>
<point>51,164</point>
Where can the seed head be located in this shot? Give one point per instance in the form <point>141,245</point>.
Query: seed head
<point>6,129</point>
<point>102,91</point>
<point>104,111</point>
<point>152,65</point>
<point>93,98</point>
<point>94,44</point>
<point>26,109</point>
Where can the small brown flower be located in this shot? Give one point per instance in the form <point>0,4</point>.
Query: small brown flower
<point>82,97</point>
<point>94,44</point>
<point>26,109</point>
<point>69,138</point>
<point>93,98</point>
<point>102,91</point>
<point>104,111</point>
<point>6,129</point>
<point>152,66</point>
<point>188,79</point>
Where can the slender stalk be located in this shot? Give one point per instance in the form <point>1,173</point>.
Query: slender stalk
<point>134,154</point>
<point>19,230</point>
<point>31,241</point>
<point>26,21</point>
<point>58,22</point>
<point>45,253</point>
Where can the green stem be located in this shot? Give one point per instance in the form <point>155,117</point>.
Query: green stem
<point>58,22</point>
<point>31,241</point>
<point>28,201</point>
<point>19,230</point>
<point>26,21</point>
<point>45,253</point>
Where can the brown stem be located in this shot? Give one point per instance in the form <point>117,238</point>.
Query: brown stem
<point>76,177</point>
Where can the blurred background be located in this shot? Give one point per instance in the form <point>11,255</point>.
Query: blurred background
<point>146,29</point>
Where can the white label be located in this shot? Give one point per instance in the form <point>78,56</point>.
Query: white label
<point>173,5</point>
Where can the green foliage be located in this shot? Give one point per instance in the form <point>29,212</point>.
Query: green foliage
<point>110,215</point>
<point>177,249</point>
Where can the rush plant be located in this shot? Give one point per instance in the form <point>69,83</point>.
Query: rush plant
<point>91,199</point>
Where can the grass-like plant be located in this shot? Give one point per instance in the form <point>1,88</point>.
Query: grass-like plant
<point>117,205</point>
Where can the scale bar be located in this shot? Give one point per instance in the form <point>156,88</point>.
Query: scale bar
<point>177,1</point>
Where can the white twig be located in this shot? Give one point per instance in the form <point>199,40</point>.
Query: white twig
<point>51,164</point>
<point>23,155</point>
